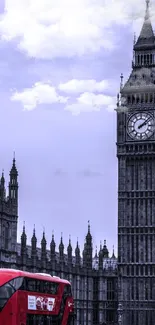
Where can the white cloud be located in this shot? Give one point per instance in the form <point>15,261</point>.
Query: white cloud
<point>40,93</point>
<point>89,102</point>
<point>79,86</point>
<point>58,28</point>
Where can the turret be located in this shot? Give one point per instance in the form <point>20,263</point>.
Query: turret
<point>61,250</point>
<point>77,255</point>
<point>105,250</point>
<point>23,247</point>
<point>43,246</point>
<point>34,244</point>
<point>87,253</point>
<point>101,257</point>
<point>69,252</point>
<point>43,252</point>
<point>113,254</point>
<point>13,186</point>
<point>52,248</point>
<point>2,187</point>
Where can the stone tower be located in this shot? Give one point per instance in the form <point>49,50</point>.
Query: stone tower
<point>136,184</point>
<point>9,218</point>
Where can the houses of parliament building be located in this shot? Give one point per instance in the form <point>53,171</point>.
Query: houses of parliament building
<point>107,290</point>
<point>93,279</point>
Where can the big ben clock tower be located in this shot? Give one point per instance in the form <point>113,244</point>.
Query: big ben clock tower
<point>136,184</point>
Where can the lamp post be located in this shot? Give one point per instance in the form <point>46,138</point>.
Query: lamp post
<point>120,312</point>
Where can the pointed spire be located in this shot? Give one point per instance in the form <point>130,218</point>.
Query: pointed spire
<point>146,37</point>
<point>113,253</point>
<point>53,241</point>
<point>88,226</point>
<point>77,254</point>
<point>87,252</point>
<point>61,248</point>
<point>34,243</point>
<point>134,39</point>
<point>33,239</point>
<point>2,187</point>
<point>69,245</point>
<point>43,241</point>
<point>52,247</point>
<point>101,257</point>
<point>24,227</point>
<point>77,249</point>
<point>61,240</point>
<point>69,251</point>
<point>2,178</point>
<point>96,252</point>
<point>105,250</point>
<point>13,170</point>
<point>147,14</point>
<point>89,236</point>
<point>23,238</point>
<point>121,83</point>
<point>43,249</point>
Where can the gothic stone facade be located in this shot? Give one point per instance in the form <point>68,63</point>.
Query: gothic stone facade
<point>136,184</point>
<point>93,279</point>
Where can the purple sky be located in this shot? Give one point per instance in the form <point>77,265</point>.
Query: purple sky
<point>60,71</point>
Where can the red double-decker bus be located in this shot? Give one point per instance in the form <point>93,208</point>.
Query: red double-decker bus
<point>34,299</point>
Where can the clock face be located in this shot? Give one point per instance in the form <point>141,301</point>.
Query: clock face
<point>141,126</point>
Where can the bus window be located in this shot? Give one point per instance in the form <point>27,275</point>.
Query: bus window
<point>41,286</point>
<point>67,290</point>
<point>31,285</point>
<point>53,288</point>
<point>38,286</point>
<point>45,287</point>
<point>16,283</point>
<point>6,291</point>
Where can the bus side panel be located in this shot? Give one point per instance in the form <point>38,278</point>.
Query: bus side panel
<point>68,310</point>
<point>22,307</point>
<point>8,315</point>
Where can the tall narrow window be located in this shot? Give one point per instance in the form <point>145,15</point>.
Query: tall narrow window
<point>137,248</point>
<point>151,98</point>
<point>137,291</point>
<point>6,239</point>
<point>146,248</point>
<point>150,288</point>
<point>146,290</point>
<point>150,249</point>
<point>151,58</point>
<point>132,290</point>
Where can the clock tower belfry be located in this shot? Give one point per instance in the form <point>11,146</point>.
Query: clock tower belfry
<point>136,184</point>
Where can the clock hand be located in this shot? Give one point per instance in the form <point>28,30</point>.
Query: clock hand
<point>144,123</point>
